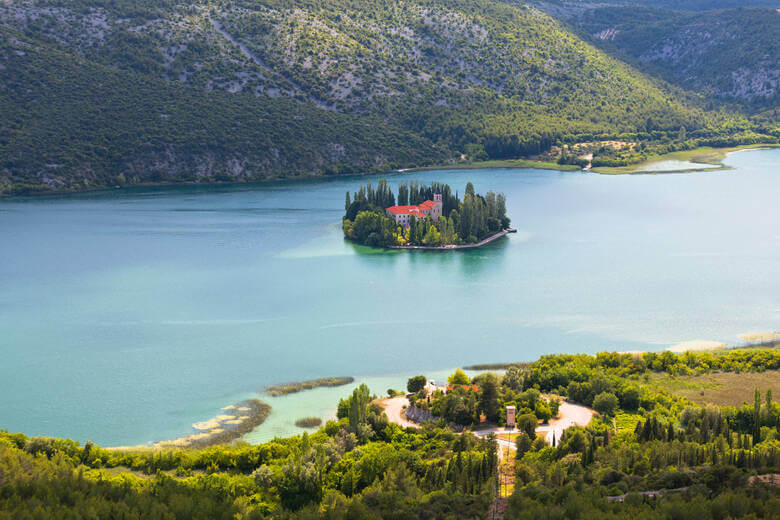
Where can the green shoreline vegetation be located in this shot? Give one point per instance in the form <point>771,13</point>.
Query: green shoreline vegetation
<point>708,461</point>
<point>462,222</point>
<point>710,157</point>
<point>492,366</point>
<point>300,386</point>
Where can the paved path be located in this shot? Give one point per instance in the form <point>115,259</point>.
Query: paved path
<point>569,414</point>
<point>394,407</point>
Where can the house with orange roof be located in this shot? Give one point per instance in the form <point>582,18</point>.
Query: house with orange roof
<point>429,209</point>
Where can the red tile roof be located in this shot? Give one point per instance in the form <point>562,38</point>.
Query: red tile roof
<point>400,210</point>
<point>403,210</point>
<point>417,211</point>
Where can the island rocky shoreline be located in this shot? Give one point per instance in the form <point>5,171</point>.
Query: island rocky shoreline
<point>452,247</point>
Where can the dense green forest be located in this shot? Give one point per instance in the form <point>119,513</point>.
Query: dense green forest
<point>96,93</point>
<point>464,221</point>
<point>704,459</point>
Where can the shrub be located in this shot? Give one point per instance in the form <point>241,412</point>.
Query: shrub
<point>605,403</point>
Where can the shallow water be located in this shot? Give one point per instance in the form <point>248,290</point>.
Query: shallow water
<point>672,166</point>
<point>127,316</point>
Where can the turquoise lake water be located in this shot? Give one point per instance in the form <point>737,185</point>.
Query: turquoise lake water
<point>127,316</point>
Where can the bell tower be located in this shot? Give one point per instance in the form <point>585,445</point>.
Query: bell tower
<point>437,209</point>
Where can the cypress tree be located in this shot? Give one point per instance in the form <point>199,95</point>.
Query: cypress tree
<point>757,418</point>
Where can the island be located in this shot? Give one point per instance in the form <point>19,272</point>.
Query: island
<point>424,217</point>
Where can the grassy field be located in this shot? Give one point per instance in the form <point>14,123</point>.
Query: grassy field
<point>722,388</point>
<point>507,163</point>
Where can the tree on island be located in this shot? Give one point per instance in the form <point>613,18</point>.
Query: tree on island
<point>467,221</point>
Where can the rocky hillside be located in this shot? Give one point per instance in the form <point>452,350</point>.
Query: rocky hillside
<point>724,55</point>
<point>254,88</point>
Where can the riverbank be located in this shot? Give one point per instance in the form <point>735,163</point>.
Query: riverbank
<point>452,247</point>
<point>497,164</point>
<point>710,159</point>
<point>234,422</point>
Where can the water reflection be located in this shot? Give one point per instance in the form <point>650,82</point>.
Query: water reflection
<point>469,262</point>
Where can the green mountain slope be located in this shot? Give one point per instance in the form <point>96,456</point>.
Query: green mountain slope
<point>70,124</point>
<point>321,83</point>
<point>732,55</point>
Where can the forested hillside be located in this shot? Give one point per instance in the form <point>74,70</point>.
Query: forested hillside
<point>71,124</point>
<point>96,92</point>
<point>727,55</point>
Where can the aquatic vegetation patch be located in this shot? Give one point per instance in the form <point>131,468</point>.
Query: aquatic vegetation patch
<point>308,422</point>
<point>291,388</point>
